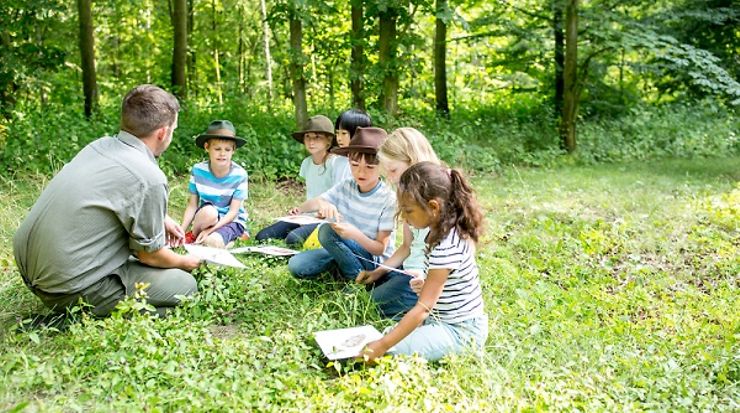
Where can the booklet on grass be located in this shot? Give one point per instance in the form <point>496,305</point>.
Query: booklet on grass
<point>218,256</point>
<point>346,343</point>
<point>265,249</point>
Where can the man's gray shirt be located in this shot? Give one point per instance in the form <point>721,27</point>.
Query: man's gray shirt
<point>110,200</point>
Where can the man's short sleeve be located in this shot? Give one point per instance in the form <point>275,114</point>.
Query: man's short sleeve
<point>143,219</point>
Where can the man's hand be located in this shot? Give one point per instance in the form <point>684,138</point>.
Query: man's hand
<point>294,211</point>
<point>368,277</point>
<point>174,235</point>
<point>190,262</point>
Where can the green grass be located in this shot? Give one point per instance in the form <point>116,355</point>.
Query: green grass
<point>609,287</point>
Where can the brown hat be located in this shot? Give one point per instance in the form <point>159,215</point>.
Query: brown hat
<point>365,140</point>
<point>220,129</point>
<point>317,124</point>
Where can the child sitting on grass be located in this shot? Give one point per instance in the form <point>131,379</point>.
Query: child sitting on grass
<point>392,291</point>
<point>430,195</point>
<point>218,188</point>
<point>320,169</point>
<point>363,209</point>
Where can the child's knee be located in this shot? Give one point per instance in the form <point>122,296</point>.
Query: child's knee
<point>327,234</point>
<point>214,240</point>
<point>207,216</point>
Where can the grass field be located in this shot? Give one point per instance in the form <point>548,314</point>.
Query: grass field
<point>609,288</point>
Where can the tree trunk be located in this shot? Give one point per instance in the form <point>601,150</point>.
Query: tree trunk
<point>570,74</point>
<point>87,51</point>
<point>217,64</point>
<point>440,54</point>
<point>192,60</point>
<point>268,59</point>
<point>240,49</point>
<point>180,51</point>
<point>386,59</point>
<point>557,27</point>
<point>296,70</point>
<point>357,63</point>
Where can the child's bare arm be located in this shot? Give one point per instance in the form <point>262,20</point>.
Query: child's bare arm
<point>189,214</point>
<point>325,209</point>
<point>395,260</point>
<point>430,293</point>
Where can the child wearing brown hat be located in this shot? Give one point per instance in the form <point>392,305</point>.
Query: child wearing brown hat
<point>363,209</point>
<point>218,188</point>
<point>321,170</point>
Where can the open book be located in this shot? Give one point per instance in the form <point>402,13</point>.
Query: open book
<point>265,249</point>
<point>345,343</point>
<point>218,256</point>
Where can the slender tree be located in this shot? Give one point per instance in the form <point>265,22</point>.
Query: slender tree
<point>557,28</point>
<point>357,64</point>
<point>386,55</point>
<point>180,49</point>
<point>296,68</point>
<point>570,73</point>
<point>440,56</point>
<point>268,59</point>
<point>87,52</point>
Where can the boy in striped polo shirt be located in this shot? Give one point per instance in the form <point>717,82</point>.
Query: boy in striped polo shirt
<point>218,188</point>
<point>361,212</point>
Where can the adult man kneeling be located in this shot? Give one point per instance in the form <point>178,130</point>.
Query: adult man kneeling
<point>106,204</point>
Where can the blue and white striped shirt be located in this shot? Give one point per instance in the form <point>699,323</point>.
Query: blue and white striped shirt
<point>371,212</point>
<point>220,191</point>
<point>461,296</point>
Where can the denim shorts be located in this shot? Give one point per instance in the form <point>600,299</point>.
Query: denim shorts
<point>230,231</point>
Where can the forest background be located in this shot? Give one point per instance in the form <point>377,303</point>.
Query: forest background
<point>601,137</point>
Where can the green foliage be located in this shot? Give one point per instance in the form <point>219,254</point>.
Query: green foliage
<point>610,287</point>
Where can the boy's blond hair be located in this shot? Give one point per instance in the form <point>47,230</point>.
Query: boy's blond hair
<point>407,145</point>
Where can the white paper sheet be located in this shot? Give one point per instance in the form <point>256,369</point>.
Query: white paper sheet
<point>218,256</point>
<point>345,343</point>
<point>265,249</point>
<point>301,219</point>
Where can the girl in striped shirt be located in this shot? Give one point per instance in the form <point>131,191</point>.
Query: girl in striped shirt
<point>449,315</point>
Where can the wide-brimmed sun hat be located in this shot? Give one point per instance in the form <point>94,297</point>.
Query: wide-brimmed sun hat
<point>365,140</point>
<point>316,124</point>
<point>220,129</point>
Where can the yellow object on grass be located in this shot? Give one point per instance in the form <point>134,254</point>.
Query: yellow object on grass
<point>312,242</point>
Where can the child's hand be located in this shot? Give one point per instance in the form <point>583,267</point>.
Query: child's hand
<point>345,230</point>
<point>294,211</point>
<point>372,351</point>
<point>368,277</point>
<point>202,236</point>
<point>417,283</point>
<point>329,212</point>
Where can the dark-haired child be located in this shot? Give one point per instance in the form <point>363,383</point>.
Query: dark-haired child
<point>320,169</point>
<point>346,124</point>
<point>449,316</point>
<point>363,208</point>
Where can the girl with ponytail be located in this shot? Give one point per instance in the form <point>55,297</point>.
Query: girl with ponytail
<point>430,195</point>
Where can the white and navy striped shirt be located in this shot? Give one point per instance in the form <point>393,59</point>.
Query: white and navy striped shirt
<point>461,296</point>
<point>371,212</point>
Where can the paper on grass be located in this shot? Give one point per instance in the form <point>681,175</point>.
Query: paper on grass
<point>387,267</point>
<point>267,250</point>
<point>218,256</point>
<point>301,219</point>
<point>345,343</point>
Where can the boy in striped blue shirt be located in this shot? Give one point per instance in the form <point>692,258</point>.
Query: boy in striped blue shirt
<point>218,188</point>
<point>361,212</point>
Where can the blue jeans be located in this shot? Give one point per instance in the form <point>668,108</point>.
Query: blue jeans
<point>336,252</point>
<point>435,339</point>
<point>293,234</point>
<point>393,295</point>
